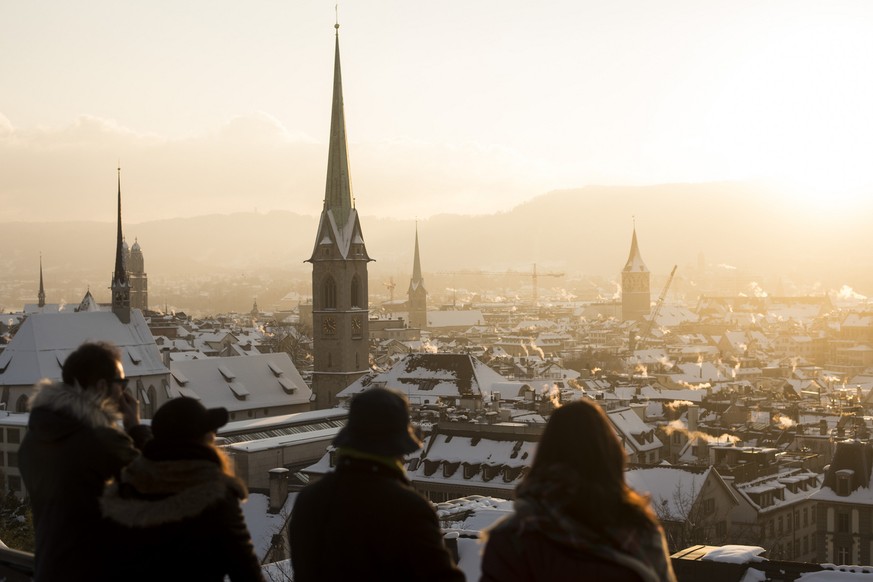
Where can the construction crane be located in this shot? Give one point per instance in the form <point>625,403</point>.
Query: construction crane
<point>534,277</point>
<point>391,285</point>
<point>647,328</point>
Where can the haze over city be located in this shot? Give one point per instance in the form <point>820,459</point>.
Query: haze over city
<point>452,109</point>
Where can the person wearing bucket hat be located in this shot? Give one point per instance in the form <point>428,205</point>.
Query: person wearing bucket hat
<point>177,509</point>
<point>364,521</point>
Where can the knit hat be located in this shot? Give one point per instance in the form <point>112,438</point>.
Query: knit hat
<point>185,419</point>
<point>379,424</point>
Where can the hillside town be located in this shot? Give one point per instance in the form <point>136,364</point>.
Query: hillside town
<point>745,418</point>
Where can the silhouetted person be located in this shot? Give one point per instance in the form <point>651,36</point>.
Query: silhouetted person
<point>575,517</point>
<point>178,505</point>
<point>364,521</point>
<point>72,447</point>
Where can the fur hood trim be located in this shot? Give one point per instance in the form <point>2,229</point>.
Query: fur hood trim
<point>87,406</point>
<point>168,491</point>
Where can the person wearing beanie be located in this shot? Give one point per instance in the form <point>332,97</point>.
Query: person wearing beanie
<point>73,445</point>
<point>364,521</point>
<point>177,508</point>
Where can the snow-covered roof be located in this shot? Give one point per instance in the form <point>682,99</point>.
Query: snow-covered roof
<point>235,383</point>
<point>44,341</point>
<point>427,377</point>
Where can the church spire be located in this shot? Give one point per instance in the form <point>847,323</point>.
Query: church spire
<point>338,191</point>
<point>634,259</point>
<point>416,262</point>
<point>41,295</point>
<point>120,287</point>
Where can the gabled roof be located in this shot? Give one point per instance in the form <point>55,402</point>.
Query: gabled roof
<point>430,376</point>
<point>44,341</point>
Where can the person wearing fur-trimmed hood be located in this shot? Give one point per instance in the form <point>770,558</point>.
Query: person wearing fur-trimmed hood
<point>73,445</point>
<point>178,505</point>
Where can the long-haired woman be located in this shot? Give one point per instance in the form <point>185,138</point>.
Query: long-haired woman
<point>575,517</point>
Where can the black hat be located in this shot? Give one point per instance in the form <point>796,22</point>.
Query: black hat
<point>378,424</point>
<point>185,419</point>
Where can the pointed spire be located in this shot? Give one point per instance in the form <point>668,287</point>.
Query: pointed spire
<point>338,191</point>
<point>416,263</point>
<point>634,259</point>
<point>119,275</point>
<point>41,294</point>
<point>120,287</point>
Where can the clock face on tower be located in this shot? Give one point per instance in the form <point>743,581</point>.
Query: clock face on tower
<point>328,325</point>
<point>356,326</point>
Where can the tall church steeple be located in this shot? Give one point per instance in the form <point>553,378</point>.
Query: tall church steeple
<point>120,286</point>
<point>340,310</point>
<point>635,285</point>
<point>41,294</point>
<point>417,294</point>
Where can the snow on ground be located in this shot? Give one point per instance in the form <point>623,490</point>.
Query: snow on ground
<point>263,525</point>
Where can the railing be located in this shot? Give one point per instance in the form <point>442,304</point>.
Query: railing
<point>15,565</point>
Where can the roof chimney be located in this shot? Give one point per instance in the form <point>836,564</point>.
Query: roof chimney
<point>278,489</point>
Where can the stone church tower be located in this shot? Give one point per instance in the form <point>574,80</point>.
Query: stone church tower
<point>636,296</point>
<point>417,294</point>
<point>339,271</point>
<point>139,280</point>
<point>120,286</point>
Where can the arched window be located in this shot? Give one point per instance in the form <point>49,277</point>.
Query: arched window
<point>21,404</point>
<point>329,293</point>
<point>356,291</point>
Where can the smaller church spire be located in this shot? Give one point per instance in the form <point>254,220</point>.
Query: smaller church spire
<point>120,287</point>
<point>41,295</point>
<point>416,262</point>
<point>635,260</point>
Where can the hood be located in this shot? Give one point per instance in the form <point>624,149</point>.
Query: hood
<point>167,491</point>
<point>58,409</point>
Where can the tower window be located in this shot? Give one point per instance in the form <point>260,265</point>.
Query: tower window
<point>356,291</point>
<point>329,293</point>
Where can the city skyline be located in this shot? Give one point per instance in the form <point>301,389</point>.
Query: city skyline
<point>466,109</point>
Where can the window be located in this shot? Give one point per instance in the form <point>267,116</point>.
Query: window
<point>805,516</point>
<point>356,291</point>
<point>21,403</point>
<point>12,459</point>
<point>842,555</point>
<point>770,529</point>
<point>14,435</point>
<point>843,523</point>
<point>328,296</point>
<point>805,544</point>
<point>708,506</point>
<point>779,525</point>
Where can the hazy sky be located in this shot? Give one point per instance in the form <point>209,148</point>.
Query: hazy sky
<point>452,106</point>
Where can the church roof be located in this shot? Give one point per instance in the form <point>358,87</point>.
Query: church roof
<point>635,262</point>
<point>44,341</point>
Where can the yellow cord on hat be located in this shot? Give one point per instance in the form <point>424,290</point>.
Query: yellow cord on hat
<point>391,462</point>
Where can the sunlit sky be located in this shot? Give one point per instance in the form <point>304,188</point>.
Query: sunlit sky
<point>453,106</point>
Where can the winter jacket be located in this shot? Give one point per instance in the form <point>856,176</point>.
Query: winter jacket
<point>179,518</point>
<point>537,544</point>
<point>72,447</point>
<point>365,522</point>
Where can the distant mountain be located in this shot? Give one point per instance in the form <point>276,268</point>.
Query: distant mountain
<point>584,231</point>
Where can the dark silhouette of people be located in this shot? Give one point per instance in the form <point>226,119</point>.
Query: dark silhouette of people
<point>72,447</point>
<point>575,517</point>
<point>178,505</point>
<point>364,521</point>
